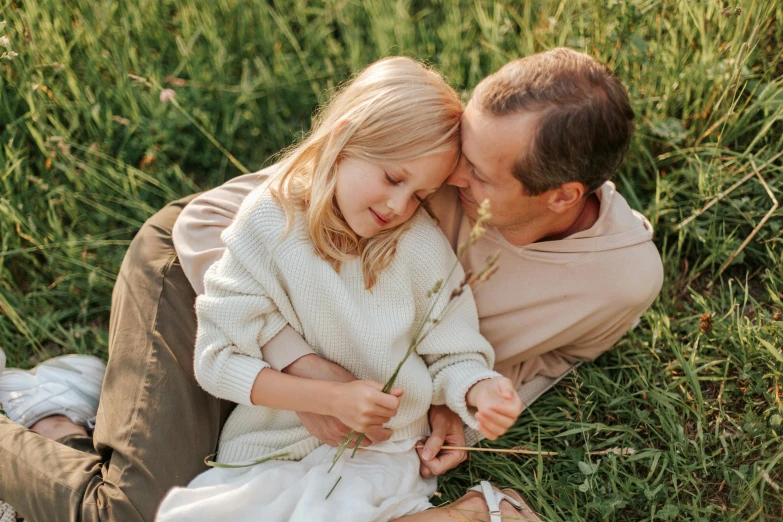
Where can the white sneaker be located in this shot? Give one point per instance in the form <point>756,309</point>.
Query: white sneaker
<point>68,385</point>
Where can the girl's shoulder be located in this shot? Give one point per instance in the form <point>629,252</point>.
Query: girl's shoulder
<point>259,219</point>
<point>424,242</point>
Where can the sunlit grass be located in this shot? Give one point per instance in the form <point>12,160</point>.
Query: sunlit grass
<point>88,153</point>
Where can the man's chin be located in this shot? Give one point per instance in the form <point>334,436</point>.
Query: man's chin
<point>469,208</point>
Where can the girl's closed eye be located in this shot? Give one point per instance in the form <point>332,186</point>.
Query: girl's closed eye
<point>390,180</point>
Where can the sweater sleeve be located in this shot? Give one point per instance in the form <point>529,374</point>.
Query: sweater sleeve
<point>457,355</point>
<point>197,240</point>
<point>237,314</point>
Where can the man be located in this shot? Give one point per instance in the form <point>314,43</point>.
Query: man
<point>540,140</point>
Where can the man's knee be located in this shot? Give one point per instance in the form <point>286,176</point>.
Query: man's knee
<point>106,502</point>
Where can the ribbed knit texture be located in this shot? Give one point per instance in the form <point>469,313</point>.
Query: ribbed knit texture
<point>265,281</point>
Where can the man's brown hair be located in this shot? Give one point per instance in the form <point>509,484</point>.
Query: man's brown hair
<point>585,119</point>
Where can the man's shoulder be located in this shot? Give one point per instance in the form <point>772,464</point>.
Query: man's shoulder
<point>259,219</point>
<point>629,277</point>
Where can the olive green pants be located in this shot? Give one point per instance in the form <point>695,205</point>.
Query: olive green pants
<point>155,425</point>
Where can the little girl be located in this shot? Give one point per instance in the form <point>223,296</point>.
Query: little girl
<point>335,245</point>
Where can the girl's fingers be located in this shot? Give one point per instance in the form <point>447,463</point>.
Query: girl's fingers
<point>378,420</point>
<point>489,422</point>
<point>488,432</point>
<point>384,412</point>
<point>390,402</point>
<point>501,421</point>
<point>504,421</point>
<point>506,411</point>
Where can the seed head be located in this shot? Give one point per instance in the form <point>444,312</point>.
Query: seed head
<point>166,95</point>
<point>5,41</point>
<point>706,321</point>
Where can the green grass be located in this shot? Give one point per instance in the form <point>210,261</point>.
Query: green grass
<point>88,154</point>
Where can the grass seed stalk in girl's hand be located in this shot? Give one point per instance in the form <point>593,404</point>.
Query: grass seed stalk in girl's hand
<point>429,323</point>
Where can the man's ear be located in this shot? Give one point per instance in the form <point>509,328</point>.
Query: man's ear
<point>566,196</point>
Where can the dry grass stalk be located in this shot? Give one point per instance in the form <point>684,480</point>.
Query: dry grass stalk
<point>723,194</point>
<point>763,221</point>
<point>622,452</point>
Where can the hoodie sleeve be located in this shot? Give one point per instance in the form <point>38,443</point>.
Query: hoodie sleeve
<point>628,294</point>
<point>196,233</point>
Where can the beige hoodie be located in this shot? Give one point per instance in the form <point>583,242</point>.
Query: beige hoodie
<point>551,303</point>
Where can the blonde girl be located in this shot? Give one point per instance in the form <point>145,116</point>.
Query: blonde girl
<point>335,245</point>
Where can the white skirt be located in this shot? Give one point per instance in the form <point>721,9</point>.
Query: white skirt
<point>377,485</point>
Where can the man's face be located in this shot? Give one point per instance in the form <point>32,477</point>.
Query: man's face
<point>490,146</point>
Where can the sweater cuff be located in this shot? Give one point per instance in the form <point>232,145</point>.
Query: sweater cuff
<point>285,348</point>
<point>458,380</point>
<point>238,376</point>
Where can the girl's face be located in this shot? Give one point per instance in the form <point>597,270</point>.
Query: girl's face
<point>374,197</point>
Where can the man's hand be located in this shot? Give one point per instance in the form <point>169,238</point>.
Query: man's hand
<point>331,431</point>
<point>498,406</point>
<point>327,429</point>
<point>446,429</point>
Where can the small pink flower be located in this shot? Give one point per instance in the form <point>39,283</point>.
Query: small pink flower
<point>166,95</point>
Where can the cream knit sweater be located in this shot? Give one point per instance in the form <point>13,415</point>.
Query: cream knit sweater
<point>266,280</point>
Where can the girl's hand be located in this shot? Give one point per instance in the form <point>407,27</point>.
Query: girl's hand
<point>498,406</point>
<point>362,406</point>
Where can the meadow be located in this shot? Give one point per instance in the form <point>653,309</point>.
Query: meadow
<point>88,151</point>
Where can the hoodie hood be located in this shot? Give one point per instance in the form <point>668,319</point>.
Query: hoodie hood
<point>618,226</point>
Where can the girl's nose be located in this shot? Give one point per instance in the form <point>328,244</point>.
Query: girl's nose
<point>398,203</point>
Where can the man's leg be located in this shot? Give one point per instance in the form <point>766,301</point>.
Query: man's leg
<point>155,425</point>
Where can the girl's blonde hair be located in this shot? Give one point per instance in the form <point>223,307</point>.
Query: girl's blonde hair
<point>396,110</point>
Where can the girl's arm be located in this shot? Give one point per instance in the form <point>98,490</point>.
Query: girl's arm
<point>360,405</point>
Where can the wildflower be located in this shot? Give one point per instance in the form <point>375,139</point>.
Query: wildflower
<point>166,95</point>
<point>5,41</point>
<point>706,322</point>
